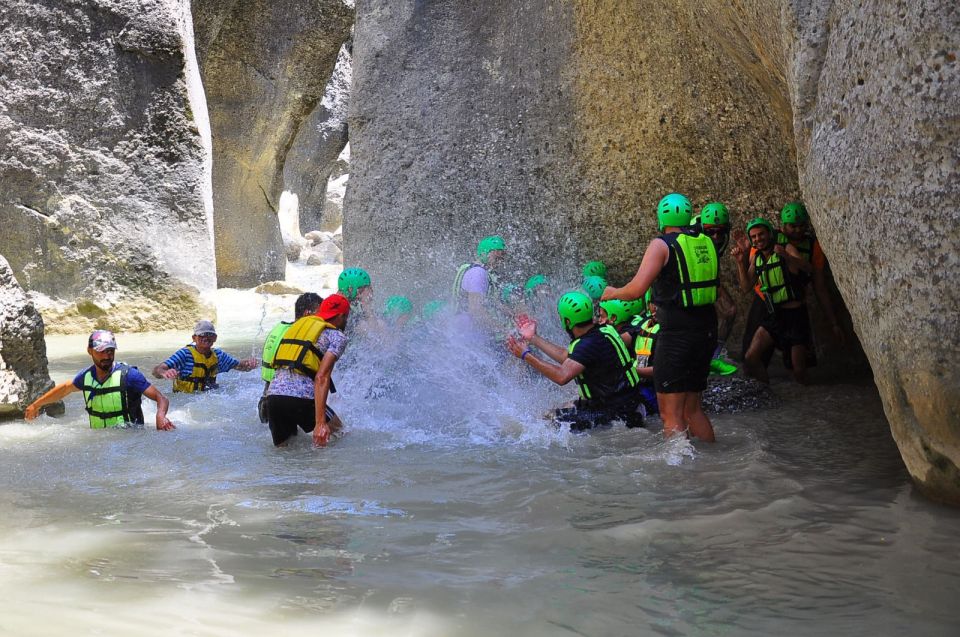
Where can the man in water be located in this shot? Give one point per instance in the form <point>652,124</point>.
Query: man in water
<point>194,368</point>
<point>111,391</point>
<point>681,265</point>
<point>475,282</point>
<point>597,359</point>
<point>304,362</point>
<point>306,304</point>
<point>714,221</point>
<point>355,284</point>
<point>775,270</point>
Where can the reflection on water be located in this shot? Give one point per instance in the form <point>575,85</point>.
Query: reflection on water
<point>449,509</point>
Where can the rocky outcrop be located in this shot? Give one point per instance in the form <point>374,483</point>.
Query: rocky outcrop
<point>876,98</point>
<point>103,194</point>
<point>265,66</point>
<point>560,124</point>
<point>313,156</point>
<point>23,352</point>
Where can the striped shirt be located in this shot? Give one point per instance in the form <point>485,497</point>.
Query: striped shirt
<point>182,361</point>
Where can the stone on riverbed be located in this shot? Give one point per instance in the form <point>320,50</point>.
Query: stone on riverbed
<point>731,395</point>
<point>277,287</point>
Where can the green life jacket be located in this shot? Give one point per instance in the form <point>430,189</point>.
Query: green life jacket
<point>644,340</point>
<point>775,279</point>
<point>624,356</point>
<point>690,276</point>
<point>267,372</point>
<point>111,403</point>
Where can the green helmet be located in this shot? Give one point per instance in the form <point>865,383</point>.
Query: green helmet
<point>488,245</point>
<point>595,268</point>
<point>759,221</point>
<point>574,308</point>
<point>673,210</point>
<point>534,282</point>
<point>351,280</point>
<point>594,286</point>
<point>617,311</point>
<point>794,212</point>
<point>510,293</point>
<point>634,307</point>
<point>714,214</point>
<point>432,308</point>
<point>397,306</point>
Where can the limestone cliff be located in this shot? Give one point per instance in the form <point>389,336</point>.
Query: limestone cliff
<point>101,161</point>
<point>23,353</point>
<point>265,67</point>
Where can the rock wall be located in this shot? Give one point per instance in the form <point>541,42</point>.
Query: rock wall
<point>101,161</point>
<point>876,96</point>
<point>313,156</point>
<point>265,66</point>
<point>560,124</point>
<point>23,352</point>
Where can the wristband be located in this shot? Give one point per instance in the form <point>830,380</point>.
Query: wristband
<point>523,356</point>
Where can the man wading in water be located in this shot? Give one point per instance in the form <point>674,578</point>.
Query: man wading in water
<point>297,396</point>
<point>111,391</point>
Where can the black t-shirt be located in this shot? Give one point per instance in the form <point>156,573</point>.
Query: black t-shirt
<point>605,374</point>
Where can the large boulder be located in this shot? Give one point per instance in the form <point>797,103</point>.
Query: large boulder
<point>876,99</point>
<point>23,352</point>
<point>103,181</point>
<point>561,124</point>
<point>265,67</point>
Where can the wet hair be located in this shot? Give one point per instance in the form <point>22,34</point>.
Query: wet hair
<point>307,303</point>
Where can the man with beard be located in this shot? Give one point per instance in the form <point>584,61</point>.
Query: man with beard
<point>111,391</point>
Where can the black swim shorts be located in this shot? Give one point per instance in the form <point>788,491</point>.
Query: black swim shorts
<point>286,413</point>
<point>788,327</point>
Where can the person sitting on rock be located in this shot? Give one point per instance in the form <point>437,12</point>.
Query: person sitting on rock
<point>306,304</point>
<point>775,270</point>
<point>645,328</point>
<point>304,361</point>
<point>597,359</point>
<point>112,392</point>
<point>194,368</point>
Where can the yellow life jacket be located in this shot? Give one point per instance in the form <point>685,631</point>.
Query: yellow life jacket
<point>643,342</point>
<point>203,376</point>
<point>298,347</point>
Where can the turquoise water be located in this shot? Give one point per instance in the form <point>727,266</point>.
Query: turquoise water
<point>448,508</point>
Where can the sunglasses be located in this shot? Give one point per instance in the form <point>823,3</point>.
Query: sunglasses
<point>207,338</point>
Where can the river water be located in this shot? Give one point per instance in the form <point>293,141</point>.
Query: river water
<point>448,508</point>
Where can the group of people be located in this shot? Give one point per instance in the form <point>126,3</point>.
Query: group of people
<point>647,347</point>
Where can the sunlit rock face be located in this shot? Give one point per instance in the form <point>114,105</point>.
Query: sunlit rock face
<point>265,67</point>
<point>876,94</point>
<point>560,124</point>
<point>23,353</point>
<point>102,162</point>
